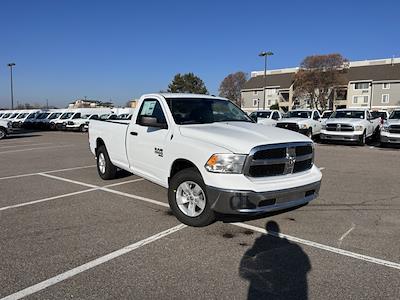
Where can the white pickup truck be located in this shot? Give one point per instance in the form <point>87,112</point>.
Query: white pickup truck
<point>209,155</point>
<point>266,117</point>
<point>390,131</point>
<point>353,125</point>
<point>305,121</point>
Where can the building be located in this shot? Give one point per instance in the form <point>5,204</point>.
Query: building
<point>374,84</point>
<point>85,103</point>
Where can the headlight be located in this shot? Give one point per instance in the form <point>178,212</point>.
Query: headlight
<point>358,128</point>
<point>225,163</point>
<point>9,124</point>
<point>385,128</point>
<point>303,126</point>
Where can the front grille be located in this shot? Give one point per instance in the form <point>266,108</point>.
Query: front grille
<point>394,128</point>
<point>70,123</point>
<point>339,127</point>
<point>290,126</point>
<point>279,159</point>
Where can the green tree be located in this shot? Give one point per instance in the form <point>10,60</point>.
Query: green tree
<point>231,86</point>
<point>187,83</point>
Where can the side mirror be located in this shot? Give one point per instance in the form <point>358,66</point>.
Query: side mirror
<point>151,122</point>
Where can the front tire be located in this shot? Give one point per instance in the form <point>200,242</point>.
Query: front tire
<point>105,168</point>
<point>3,133</point>
<point>188,200</point>
<point>362,139</point>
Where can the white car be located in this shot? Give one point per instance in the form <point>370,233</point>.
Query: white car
<point>305,121</point>
<point>354,125</point>
<point>266,117</point>
<point>210,155</point>
<point>82,123</point>
<point>5,128</point>
<point>390,131</point>
<point>61,123</point>
<point>48,122</point>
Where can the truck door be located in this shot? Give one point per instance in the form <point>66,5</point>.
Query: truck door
<point>370,124</point>
<point>146,143</point>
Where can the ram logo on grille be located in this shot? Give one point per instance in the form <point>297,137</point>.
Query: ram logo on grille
<point>291,160</point>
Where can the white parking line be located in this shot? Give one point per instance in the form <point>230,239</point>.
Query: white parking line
<point>322,168</point>
<point>38,148</point>
<point>258,229</point>
<point>94,188</point>
<point>46,172</point>
<point>91,264</point>
<point>322,247</point>
<point>13,146</point>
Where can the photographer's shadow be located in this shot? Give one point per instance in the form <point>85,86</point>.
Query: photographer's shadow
<point>275,267</point>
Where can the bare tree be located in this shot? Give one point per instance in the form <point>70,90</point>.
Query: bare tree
<point>231,85</point>
<point>318,76</point>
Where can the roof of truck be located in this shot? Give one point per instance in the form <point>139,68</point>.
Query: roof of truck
<point>187,95</point>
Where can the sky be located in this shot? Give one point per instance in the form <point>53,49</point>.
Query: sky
<point>118,50</point>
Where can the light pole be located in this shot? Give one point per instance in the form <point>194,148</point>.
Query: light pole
<point>11,65</point>
<point>265,54</point>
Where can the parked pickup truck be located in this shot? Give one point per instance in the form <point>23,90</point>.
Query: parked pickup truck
<point>5,128</point>
<point>305,121</point>
<point>210,156</point>
<point>390,131</point>
<point>266,117</point>
<point>354,125</point>
<point>81,123</point>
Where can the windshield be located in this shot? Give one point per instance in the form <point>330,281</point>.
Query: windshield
<point>261,114</point>
<point>202,111</point>
<point>348,114</point>
<point>42,116</point>
<point>6,116</point>
<point>379,114</point>
<point>395,115</point>
<point>66,116</point>
<point>54,116</point>
<point>299,114</point>
<point>14,115</point>
<point>20,116</point>
<point>85,116</point>
<point>326,114</point>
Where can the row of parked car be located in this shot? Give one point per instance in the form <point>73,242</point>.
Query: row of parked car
<point>342,125</point>
<point>58,119</point>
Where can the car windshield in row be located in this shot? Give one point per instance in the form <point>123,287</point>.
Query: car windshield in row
<point>6,116</point>
<point>379,114</point>
<point>42,116</point>
<point>326,114</point>
<point>202,111</point>
<point>21,116</point>
<point>261,114</point>
<point>348,114</point>
<point>66,116</point>
<point>299,114</point>
<point>395,115</point>
<point>54,116</point>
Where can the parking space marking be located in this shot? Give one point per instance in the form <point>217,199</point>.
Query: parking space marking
<point>254,228</point>
<point>366,258</point>
<point>322,168</point>
<point>46,172</point>
<point>94,188</point>
<point>38,148</point>
<point>346,233</point>
<point>91,264</point>
<point>13,146</point>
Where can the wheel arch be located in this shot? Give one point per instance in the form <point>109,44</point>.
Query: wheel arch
<point>179,165</point>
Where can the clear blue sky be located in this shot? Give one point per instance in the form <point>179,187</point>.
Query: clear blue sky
<point>120,49</point>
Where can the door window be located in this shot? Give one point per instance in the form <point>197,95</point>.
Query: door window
<point>152,108</point>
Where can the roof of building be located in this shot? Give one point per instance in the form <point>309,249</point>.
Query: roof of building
<point>283,81</point>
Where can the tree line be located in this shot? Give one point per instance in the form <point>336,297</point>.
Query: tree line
<point>317,80</point>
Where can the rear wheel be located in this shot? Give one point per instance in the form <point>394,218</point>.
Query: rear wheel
<point>82,128</point>
<point>105,168</point>
<point>188,199</point>
<point>309,133</point>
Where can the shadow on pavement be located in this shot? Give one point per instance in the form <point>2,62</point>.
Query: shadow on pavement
<point>275,267</point>
<point>20,136</point>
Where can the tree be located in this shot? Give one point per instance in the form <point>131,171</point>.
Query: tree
<point>231,86</point>
<point>318,77</point>
<point>187,83</point>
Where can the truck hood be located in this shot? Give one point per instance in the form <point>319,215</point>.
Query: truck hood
<point>344,121</point>
<point>240,137</point>
<point>393,122</point>
<point>266,121</point>
<point>294,120</point>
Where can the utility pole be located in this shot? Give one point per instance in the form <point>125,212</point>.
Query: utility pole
<point>265,54</point>
<point>11,65</point>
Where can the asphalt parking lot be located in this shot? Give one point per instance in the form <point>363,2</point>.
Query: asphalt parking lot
<point>65,233</point>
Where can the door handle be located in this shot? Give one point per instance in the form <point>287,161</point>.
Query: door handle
<point>133,133</point>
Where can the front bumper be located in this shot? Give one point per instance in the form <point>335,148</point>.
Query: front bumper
<point>352,137</point>
<point>250,202</point>
<point>387,137</point>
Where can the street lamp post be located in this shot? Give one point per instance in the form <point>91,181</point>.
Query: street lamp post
<point>265,54</point>
<point>11,65</point>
